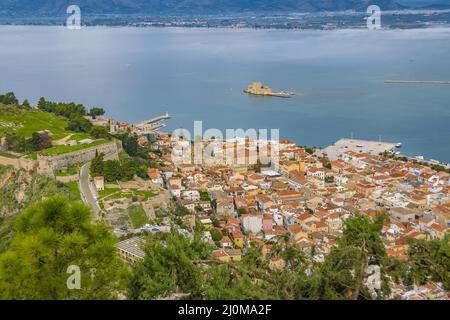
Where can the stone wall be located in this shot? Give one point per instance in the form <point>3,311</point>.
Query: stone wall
<point>66,179</point>
<point>18,163</point>
<point>47,164</point>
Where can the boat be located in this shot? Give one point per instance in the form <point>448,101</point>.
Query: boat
<point>398,145</point>
<point>258,89</point>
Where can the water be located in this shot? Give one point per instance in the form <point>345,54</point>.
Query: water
<point>199,74</point>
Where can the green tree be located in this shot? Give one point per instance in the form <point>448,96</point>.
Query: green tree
<point>42,104</point>
<point>169,267</point>
<point>78,123</point>
<point>430,261</point>
<point>96,168</point>
<point>112,170</point>
<point>16,143</point>
<point>99,132</point>
<point>216,235</point>
<point>96,111</point>
<point>26,104</point>
<point>50,237</point>
<point>39,141</point>
<point>9,98</point>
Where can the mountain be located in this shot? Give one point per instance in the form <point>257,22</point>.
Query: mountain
<point>175,7</point>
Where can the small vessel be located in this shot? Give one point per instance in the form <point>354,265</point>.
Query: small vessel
<point>398,145</point>
<point>258,89</point>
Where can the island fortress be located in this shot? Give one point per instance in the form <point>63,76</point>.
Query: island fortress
<point>257,88</point>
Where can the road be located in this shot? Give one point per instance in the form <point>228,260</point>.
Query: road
<point>85,189</point>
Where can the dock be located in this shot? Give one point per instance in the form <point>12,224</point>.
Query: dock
<point>150,126</point>
<point>360,146</point>
<point>417,81</point>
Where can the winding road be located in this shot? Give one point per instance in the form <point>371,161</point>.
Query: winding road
<point>85,189</point>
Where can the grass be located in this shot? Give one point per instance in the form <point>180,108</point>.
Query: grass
<point>107,192</point>
<point>8,155</point>
<point>138,216</point>
<point>71,170</point>
<point>66,149</point>
<point>116,193</point>
<point>25,123</point>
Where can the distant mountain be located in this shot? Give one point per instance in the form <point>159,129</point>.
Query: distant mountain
<point>175,7</point>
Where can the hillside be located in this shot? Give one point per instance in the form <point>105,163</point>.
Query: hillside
<point>21,189</point>
<point>179,7</point>
<point>24,122</point>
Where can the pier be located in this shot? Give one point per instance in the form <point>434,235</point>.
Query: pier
<point>150,126</point>
<point>417,81</point>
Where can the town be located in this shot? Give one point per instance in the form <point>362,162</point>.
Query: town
<point>303,197</point>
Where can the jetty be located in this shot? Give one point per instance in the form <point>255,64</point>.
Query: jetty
<point>418,81</point>
<point>258,89</point>
<point>150,126</point>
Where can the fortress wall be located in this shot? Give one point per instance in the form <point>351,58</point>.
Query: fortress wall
<point>18,163</point>
<point>66,179</point>
<point>47,164</point>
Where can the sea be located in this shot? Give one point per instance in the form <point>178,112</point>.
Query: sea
<point>198,74</point>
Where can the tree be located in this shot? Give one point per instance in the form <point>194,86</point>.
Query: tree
<point>343,273</point>
<point>16,143</point>
<point>130,143</point>
<point>9,98</point>
<point>216,235</point>
<point>215,222</point>
<point>40,141</point>
<point>26,104</point>
<point>79,124</point>
<point>99,132</point>
<point>96,111</point>
<point>241,211</point>
<point>97,165</point>
<point>430,260</point>
<point>112,170</point>
<point>49,238</point>
<point>169,268</point>
<point>42,104</point>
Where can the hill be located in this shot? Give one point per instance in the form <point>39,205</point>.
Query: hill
<point>180,7</point>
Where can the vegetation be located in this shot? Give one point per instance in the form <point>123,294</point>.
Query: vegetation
<point>50,237</point>
<point>96,111</point>
<point>176,265</point>
<point>78,123</point>
<point>117,170</point>
<point>61,108</point>
<point>21,189</point>
<point>9,98</point>
<point>99,132</point>
<point>74,191</point>
<point>24,129</point>
<point>138,216</point>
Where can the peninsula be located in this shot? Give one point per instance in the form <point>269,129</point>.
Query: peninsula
<point>258,89</point>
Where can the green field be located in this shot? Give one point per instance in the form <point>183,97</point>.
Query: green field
<point>25,123</point>
<point>65,149</point>
<point>138,216</point>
